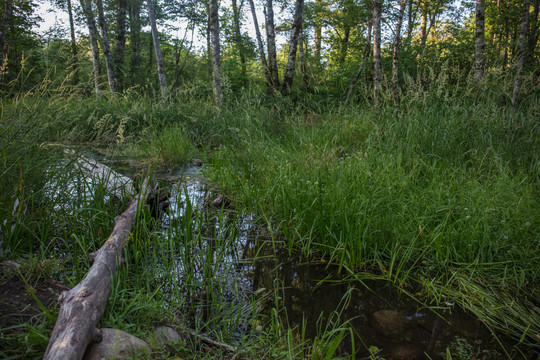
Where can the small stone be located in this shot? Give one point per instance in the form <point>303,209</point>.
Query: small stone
<point>389,322</point>
<point>165,334</point>
<point>116,344</point>
<point>197,162</point>
<point>406,352</point>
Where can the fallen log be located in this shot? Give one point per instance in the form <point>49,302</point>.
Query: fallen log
<point>83,306</point>
<point>115,183</point>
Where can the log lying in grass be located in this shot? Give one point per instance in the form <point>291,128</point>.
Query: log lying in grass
<point>83,306</point>
<point>116,184</point>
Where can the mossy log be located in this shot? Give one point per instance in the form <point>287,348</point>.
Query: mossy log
<point>83,306</point>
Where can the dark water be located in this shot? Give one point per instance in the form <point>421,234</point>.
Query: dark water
<point>314,297</point>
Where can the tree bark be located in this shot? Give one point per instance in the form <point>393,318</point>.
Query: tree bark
<point>157,48</point>
<point>271,44</point>
<point>395,63</point>
<point>302,61</point>
<point>479,43</point>
<point>92,32</point>
<point>74,60</point>
<point>533,33</point>
<point>260,46</point>
<point>83,306</point>
<point>377,75</point>
<point>362,64</point>
<point>120,42</point>
<point>293,46</point>
<point>521,51</point>
<point>238,39</point>
<point>344,44</point>
<point>135,36</point>
<point>216,55</point>
<point>106,46</point>
<point>318,32</point>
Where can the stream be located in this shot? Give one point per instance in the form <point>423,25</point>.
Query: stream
<point>310,296</point>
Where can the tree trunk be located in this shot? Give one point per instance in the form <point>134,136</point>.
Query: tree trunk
<point>395,63</point>
<point>318,32</point>
<point>479,43</point>
<point>157,48</point>
<point>83,306</point>
<point>106,47</point>
<point>521,50</point>
<point>271,43</point>
<point>302,61</point>
<point>533,33</point>
<point>238,39</point>
<point>135,36</point>
<point>74,60</point>
<point>120,42</point>
<point>293,46</point>
<point>362,64</point>
<point>377,75</point>
<point>344,44</point>
<point>92,32</point>
<point>216,55</point>
<point>8,9</point>
<point>260,46</point>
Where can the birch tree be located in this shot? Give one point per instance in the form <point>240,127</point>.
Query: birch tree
<point>260,46</point>
<point>293,46</point>
<point>157,49</point>
<point>395,62</point>
<point>216,58</point>
<point>377,76</point>
<point>271,44</point>
<point>106,46</point>
<point>521,51</point>
<point>92,33</point>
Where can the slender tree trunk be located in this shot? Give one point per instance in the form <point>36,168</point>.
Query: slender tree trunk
<point>423,25</point>
<point>106,47</point>
<point>135,36</point>
<point>533,34</point>
<point>318,32</point>
<point>157,48</point>
<point>260,46</point>
<point>521,50</point>
<point>293,45</point>
<point>74,60</point>
<point>411,17</point>
<point>216,58</point>
<point>92,32</point>
<point>377,75</point>
<point>8,9</point>
<point>479,43</point>
<point>238,40</point>
<point>178,71</point>
<point>344,44</point>
<point>362,64</point>
<point>302,61</point>
<point>120,42</point>
<point>395,63</point>
<point>271,43</point>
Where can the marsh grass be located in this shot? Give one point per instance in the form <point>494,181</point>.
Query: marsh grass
<point>441,193</point>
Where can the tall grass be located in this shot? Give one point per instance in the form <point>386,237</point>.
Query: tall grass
<point>441,192</point>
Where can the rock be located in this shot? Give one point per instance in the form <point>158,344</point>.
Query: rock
<point>389,322</point>
<point>406,352</point>
<point>197,162</point>
<point>166,334</point>
<point>10,264</point>
<point>116,344</point>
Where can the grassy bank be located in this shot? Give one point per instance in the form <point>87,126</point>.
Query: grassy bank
<point>439,197</point>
